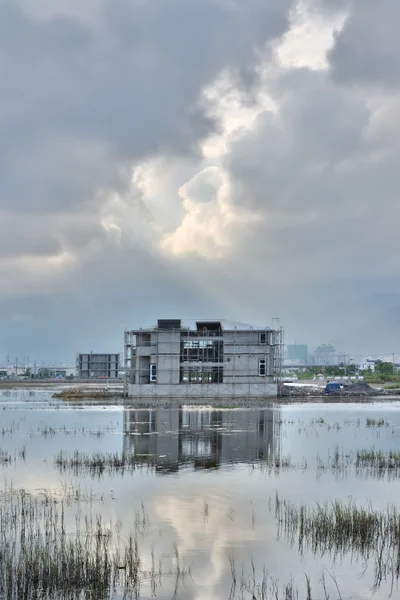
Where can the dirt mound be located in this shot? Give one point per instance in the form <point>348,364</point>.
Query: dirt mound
<point>359,387</point>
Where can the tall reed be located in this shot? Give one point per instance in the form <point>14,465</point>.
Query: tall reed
<point>42,557</point>
<point>340,529</point>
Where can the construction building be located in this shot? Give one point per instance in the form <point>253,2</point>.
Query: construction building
<point>98,366</point>
<point>203,359</point>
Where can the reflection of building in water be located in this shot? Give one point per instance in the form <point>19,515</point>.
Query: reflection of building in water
<point>169,438</point>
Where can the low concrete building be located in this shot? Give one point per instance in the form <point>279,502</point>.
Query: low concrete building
<point>202,359</point>
<point>98,366</point>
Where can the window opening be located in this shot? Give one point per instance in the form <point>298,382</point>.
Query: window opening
<point>262,367</point>
<point>153,373</point>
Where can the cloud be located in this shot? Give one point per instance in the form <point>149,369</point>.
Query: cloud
<point>89,98</point>
<point>150,147</point>
<point>209,222</point>
<point>316,171</point>
<point>366,50</point>
<point>88,91</point>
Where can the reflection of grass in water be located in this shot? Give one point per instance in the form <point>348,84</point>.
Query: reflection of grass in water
<point>340,529</point>
<point>42,558</point>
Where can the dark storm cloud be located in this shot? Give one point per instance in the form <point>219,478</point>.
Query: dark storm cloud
<point>84,95</point>
<point>130,87</point>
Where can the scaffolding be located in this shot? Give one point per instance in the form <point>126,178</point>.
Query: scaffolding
<point>278,345</point>
<point>178,359</point>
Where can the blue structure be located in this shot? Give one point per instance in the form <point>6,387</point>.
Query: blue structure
<point>333,387</point>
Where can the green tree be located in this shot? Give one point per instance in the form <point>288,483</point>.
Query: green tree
<point>384,368</point>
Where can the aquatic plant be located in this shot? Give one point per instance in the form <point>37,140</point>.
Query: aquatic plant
<point>247,583</point>
<point>376,423</point>
<point>42,558</point>
<point>5,458</point>
<point>95,463</point>
<point>340,529</point>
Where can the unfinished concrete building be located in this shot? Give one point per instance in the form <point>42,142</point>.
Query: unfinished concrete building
<point>98,366</point>
<point>203,360</point>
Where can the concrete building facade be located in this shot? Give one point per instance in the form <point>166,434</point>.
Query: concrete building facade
<point>98,366</point>
<point>202,359</point>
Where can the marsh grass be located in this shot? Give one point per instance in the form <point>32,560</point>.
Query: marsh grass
<point>277,464</point>
<point>339,530</point>
<point>364,463</point>
<point>43,557</point>
<point>96,463</point>
<point>5,457</point>
<point>377,423</point>
<point>378,459</point>
<point>48,431</point>
<point>250,583</point>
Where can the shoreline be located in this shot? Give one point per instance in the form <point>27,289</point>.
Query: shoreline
<point>226,403</point>
<point>83,392</point>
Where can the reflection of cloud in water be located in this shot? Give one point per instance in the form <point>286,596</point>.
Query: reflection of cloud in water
<point>207,539</point>
<point>168,439</point>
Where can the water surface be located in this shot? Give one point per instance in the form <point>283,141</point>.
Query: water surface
<point>206,482</point>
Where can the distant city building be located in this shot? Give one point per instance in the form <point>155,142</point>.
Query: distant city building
<point>98,366</point>
<point>368,363</point>
<point>202,359</point>
<point>51,372</point>
<point>296,353</point>
<point>323,359</point>
<point>38,372</point>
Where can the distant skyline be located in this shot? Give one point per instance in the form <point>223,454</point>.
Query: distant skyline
<point>213,159</point>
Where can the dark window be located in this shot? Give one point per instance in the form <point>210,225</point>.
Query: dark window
<point>262,367</point>
<point>201,375</point>
<point>212,328</point>
<point>262,338</point>
<point>153,373</point>
<point>201,350</point>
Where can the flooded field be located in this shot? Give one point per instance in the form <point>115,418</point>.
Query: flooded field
<point>104,501</point>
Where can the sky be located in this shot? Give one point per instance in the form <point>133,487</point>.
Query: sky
<point>198,159</point>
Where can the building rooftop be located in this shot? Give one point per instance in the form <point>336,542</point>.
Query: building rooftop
<point>192,325</point>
